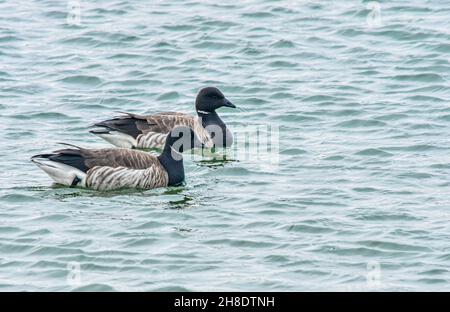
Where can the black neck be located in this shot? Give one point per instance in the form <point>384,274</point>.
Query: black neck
<point>210,118</point>
<point>174,167</point>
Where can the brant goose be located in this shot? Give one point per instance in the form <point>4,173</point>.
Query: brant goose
<point>150,131</point>
<point>116,168</point>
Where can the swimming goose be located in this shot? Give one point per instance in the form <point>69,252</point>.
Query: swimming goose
<point>116,168</point>
<point>149,131</point>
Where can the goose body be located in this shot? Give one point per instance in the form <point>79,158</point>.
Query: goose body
<point>139,131</point>
<point>150,131</point>
<point>117,168</point>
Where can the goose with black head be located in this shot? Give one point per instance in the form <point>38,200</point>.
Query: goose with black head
<point>118,168</point>
<point>150,131</point>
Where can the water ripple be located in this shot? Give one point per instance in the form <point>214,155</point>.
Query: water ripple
<point>363,116</point>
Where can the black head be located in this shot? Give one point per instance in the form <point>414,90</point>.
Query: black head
<point>209,99</point>
<point>182,138</point>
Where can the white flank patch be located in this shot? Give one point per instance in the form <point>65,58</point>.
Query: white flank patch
<point>118,139</point>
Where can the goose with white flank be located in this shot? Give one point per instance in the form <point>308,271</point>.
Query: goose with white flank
<point>118,168</point>
<point>150,131</point>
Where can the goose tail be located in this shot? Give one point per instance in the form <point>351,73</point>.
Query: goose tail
<point>119,131</point>
<point>60,172</point>
<point>115,137</point>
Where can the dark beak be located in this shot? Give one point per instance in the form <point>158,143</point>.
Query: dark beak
<point>228,104</point>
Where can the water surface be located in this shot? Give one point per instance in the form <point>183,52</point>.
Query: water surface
<point>359,200</point>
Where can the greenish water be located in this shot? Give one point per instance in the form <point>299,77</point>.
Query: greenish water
<point>361,190</point>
